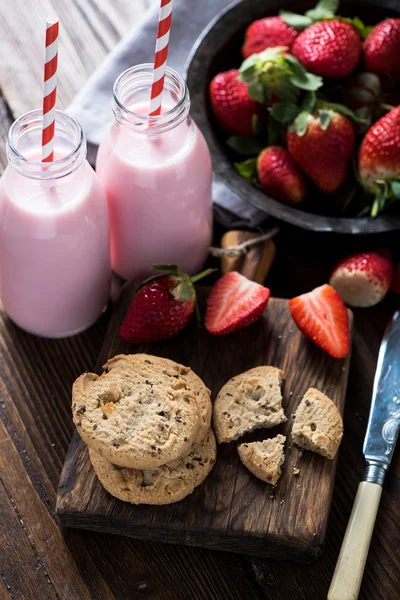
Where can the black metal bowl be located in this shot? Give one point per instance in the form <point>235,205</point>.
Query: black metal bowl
<point>218,49</point>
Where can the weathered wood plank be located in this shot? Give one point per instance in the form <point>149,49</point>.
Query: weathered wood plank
<point>39,527</point>
<point>88,30</point>
<point>21,568</point>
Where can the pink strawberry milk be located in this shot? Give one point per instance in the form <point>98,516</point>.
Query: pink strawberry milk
<point>54,231</point>
<point>156,172</point>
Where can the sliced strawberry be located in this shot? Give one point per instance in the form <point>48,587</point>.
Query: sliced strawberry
<point>322,316</point>
<point>363,279</point>
<point>234,302</point>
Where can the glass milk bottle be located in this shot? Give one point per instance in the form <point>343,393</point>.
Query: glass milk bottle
<point>156,172</point>
<point>54,231</point>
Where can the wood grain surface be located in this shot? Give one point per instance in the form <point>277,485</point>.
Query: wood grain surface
<point>36,377</point>
<point>232,510</point>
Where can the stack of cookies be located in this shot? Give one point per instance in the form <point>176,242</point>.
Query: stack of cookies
<point>146,421</point>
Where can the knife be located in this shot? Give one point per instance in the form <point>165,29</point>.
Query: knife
<point>379,444</point>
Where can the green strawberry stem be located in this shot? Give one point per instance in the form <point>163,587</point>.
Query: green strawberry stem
<point>201,275</point>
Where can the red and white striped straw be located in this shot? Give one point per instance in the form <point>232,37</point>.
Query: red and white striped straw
<point>160,57</point>
<point>50,90</point>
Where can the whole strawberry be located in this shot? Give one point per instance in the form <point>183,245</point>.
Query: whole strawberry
<point>363,279</point>
<point>322,146</point>
<point>382,49</point>
<point>161,307</point>
<point>280,177</point>
<point>232,106</point>
<point>328,48</point>
<point>267,33</point>
<point>379,157</point>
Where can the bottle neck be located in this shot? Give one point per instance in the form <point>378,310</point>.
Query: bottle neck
<point>131,99</point>
<point>24,146</point>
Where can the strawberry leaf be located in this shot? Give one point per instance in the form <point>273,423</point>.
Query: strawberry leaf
<point>323,10</point>
<point>287,93</point>
<point>247,146</point>
<point>395,185</point>
<point>301,78</point>
<point>325,118</point>
<point>342,109</point>
<point>295,20</point>
<point>247,169</point>
<point>309,101</point>
<point>301,123</point>
<point>256,91</point>
<point>363,30</point>
<point>284,112</point>
<point>381,195</point>
<point>256,124</point>
<point>170,268</point>
<point>274,133</point>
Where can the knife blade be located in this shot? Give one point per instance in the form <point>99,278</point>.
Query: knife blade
<point>384,418</point>
<point>379,444</point>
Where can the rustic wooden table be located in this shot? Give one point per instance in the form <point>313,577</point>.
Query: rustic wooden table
<point>38,561</point>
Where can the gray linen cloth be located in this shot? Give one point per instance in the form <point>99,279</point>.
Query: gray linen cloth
<point>92,106</point>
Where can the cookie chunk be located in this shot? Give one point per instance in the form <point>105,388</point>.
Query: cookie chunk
<point>164,485</point>
<point>249,401</point>
<point>264,459</point>
<point>143,412</point>
<point>318,425</point>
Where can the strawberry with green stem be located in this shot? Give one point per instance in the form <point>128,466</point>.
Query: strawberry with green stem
<point>232,106</point>
<point>274,75</point>
<point>320,138</point>
<point>379,161</point>
<point>325,10</point>
<point>162,306</point>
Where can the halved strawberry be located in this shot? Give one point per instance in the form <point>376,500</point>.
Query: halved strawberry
<point>322,316</point>
<point>234,302</point>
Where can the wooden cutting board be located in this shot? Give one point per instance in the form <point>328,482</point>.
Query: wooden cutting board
<point>231,510</point>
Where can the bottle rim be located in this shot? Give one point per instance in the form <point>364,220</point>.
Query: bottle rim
<point>36,169</point>
<point>138,78</point>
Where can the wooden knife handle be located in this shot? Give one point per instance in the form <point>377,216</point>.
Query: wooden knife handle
<point>257,261</point>
<point>349,570</point>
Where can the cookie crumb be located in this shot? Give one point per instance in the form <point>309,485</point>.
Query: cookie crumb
<point>296,471</point>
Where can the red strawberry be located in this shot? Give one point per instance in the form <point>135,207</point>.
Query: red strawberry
<point>232,106</point>
<point>324,151</point>
<point>161,307</point>
<point>267,33</point>
<point>395,287</point>
<point>234,302</point>
<point>280,177</point>
<point>379,157</point>
<point>328,48</point>
<point>382,49</point>
<point>363,279</point>
<point>322,316</point>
